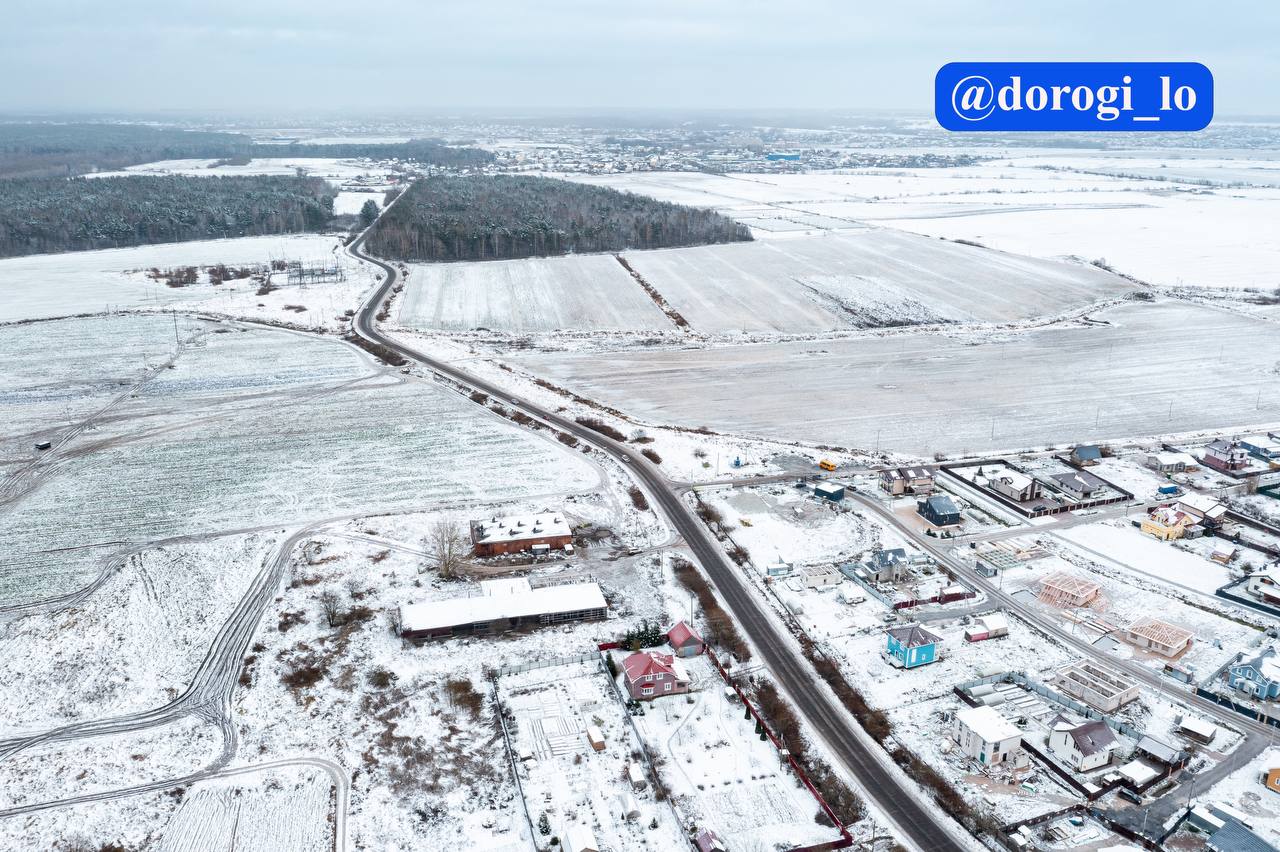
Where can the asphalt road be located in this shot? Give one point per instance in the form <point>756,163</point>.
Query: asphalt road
<point>916,821</point>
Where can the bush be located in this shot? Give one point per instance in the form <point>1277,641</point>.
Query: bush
<point>721,630</point>
<point>651,455</point>
<point>382,678</point>
<point>637,498</point>
<point>597,425</point>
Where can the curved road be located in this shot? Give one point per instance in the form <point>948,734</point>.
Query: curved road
<point>913,816</point>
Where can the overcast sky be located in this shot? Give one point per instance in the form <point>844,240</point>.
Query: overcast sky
<point>423,55</point>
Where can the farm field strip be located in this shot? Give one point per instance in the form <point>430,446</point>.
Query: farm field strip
<point>1138,375</point>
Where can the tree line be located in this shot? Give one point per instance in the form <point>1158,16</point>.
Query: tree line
<point>494,217</point>
<point>41,149</point>
<point>40,215</point>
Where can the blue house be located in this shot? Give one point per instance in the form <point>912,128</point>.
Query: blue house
<point>911,646</point>
<point>939,510</point>
<point>1257,676</point>
<point>1086,454</point>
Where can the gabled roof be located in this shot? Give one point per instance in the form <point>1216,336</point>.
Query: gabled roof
<point>680,634</point>
<point>914,636</point>
<point>941,504</point>
<point>888,558</point>
<point>1265,664</point>
<point>1093,737</point>
<point>1078,480</point>
<point>644,663</point>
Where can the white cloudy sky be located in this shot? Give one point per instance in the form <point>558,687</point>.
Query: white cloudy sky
<point>426,54</point>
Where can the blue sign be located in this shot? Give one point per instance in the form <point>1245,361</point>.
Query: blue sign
<point>1079,96</point>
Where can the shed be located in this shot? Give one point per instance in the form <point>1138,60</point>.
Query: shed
<point>829,491</point>
<point>1198,729</point>
<point>684,640</point>
<point>1160,752</point>
<point>595,737</point>
<point>636,776</point>
<point>707,840</point>
<point>1235,837</point>
<point>1138,773</point>
<point>990,626</point>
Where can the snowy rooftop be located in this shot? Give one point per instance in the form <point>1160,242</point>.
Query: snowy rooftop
<point>987,724</point>
<point>518,527</point>
<point>549,600</point>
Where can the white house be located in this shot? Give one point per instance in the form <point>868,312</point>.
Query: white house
<point>986,736</point>
<point>1082,746</point>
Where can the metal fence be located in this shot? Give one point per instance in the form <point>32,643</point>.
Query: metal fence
<point>554,661</point>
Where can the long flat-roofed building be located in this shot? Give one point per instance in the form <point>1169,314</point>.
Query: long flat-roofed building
<point>546,531</point>
<point>502,605</point>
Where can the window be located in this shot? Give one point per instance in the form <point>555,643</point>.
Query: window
<point>666,687</point>
<point>647,690</point>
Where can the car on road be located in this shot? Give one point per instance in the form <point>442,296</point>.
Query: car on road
<point>626,459</point>
<point>515,401</point>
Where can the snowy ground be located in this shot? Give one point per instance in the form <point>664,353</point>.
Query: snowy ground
<point>279,808</point>
<point>101,764</point>
<point>227,439</point>
<point>1122,207</point>
<point>721,774</point>
<point>579,293</point>
<point>89,282</point>
<point>871,278</point>
<point>568,780</point>
<point>1123,545</point>
<point>963,394</point>
<point>150,624</point>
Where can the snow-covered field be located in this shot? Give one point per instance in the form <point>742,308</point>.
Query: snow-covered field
<point>579,293</point>
<point>90,282</point>
<point>262,429</point>
<point>100,764</point>
<point>1147,213</point>
<point>925,393</point>
<point>870,278</point>
<point>333,169</point>
<point>149,625</point>
<point>279,808</point>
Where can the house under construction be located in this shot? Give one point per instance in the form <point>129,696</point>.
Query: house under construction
<point>1166,639</point>
<point>1061,589</point>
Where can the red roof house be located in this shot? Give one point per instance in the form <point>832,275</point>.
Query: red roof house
<point>685,640</point>
<point>649,674</point>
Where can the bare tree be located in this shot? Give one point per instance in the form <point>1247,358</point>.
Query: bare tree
<point>447,548</point>
<point>331,606</point>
